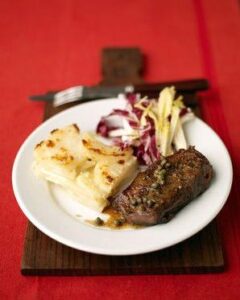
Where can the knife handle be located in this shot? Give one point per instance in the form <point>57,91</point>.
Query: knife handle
<point>181,86</point>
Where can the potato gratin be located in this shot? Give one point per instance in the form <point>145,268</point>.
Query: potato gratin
<point>84,166</point>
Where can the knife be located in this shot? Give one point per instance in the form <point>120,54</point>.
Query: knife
<point>79,93</point>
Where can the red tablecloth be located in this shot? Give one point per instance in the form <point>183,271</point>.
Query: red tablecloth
<point>55,44</point>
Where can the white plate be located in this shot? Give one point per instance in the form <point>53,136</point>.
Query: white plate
<point>37,204</point>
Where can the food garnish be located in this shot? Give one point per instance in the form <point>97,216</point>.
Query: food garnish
<point>99,221</point>
<point>152,128</point>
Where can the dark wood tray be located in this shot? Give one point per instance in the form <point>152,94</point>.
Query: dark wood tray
<point>201,253</point>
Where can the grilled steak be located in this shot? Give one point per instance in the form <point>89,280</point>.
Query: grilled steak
<point>158,193</point>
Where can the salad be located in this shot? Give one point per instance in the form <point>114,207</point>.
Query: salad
<point>152,127</point>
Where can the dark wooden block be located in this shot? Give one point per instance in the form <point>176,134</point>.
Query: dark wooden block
<point>201,253</point>
<point>121,66</point>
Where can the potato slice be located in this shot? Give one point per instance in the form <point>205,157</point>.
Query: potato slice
<point>60,153</point>
<point>111,175</point>
<point>96,150</point>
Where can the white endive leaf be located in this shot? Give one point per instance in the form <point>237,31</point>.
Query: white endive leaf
<point>179,137</point>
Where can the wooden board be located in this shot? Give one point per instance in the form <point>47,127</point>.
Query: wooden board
<point>201,253</point>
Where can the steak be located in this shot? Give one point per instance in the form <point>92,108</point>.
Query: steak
<point>159,192</point>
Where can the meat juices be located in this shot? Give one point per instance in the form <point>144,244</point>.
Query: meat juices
<point>158,193</point>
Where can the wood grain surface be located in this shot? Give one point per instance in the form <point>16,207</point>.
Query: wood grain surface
<point>201,253</point>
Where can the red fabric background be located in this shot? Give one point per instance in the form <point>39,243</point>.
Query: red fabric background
<point>55,44</point>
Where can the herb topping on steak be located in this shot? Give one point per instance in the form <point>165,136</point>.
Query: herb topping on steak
<point>169,184</point>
